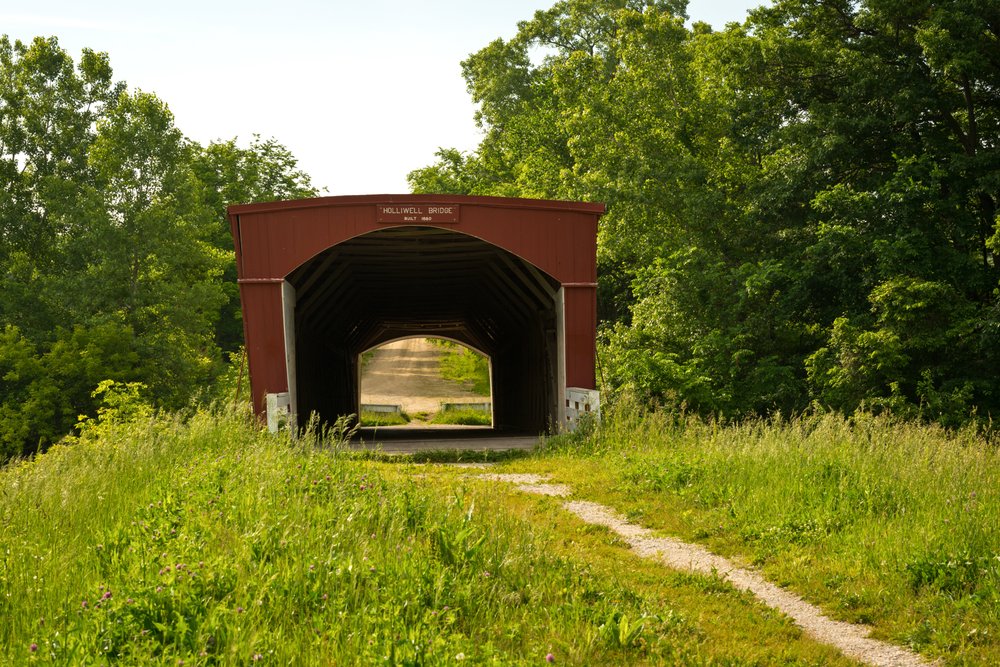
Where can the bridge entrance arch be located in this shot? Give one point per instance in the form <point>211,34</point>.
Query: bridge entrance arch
<point>321,280</point>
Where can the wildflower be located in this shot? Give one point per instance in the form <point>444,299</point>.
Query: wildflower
<point>159,589</point>
<point>257,656</point>
<point>106,595</point>
<point>33,647</point>
<point>460,656</point>
<point>129,601</point>
<point>325,596</point>
<point>549,657</point>
<point>84,604</point>
<point>239,610</point>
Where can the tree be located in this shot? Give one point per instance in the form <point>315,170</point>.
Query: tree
<point>801,208</point>
<point>230,174</point>
<point>114,244</point>
<point>48,114</point>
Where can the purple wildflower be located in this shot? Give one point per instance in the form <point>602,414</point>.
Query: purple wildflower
<point>33,647</point>
<point>550,658</point>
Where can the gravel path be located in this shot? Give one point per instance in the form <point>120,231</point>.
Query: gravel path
<point>852,640</point>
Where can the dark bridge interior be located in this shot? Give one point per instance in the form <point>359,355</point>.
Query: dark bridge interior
<point>423,281</point>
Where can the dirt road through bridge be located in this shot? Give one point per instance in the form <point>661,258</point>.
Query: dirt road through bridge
<point>407,373</point>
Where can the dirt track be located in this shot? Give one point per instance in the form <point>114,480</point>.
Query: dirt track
<point>406,373</point>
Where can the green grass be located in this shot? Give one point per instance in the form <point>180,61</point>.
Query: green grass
<point>462,365</point>
<point>210,542</point>
<point>384,418</point>
<point>465,417</point>
<point>881,522</point>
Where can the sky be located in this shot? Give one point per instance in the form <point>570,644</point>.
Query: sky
<point>362,92</point>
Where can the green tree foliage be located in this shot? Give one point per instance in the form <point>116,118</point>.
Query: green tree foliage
<point>802,208</point>
<point>232,174</point>
<point>115,250</point>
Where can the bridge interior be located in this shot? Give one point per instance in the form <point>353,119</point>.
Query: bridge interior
<point>424,281</point>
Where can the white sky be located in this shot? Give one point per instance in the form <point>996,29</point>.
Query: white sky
<point>361,91</point>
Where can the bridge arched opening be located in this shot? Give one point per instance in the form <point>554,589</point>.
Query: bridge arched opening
<point>416,282</point>
<point>425,382</point>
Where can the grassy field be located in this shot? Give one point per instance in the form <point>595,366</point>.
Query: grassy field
<point>887,523</point>
<point>208,542</point>
<point>205,541</point>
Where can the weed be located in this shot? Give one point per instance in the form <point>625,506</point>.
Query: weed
<point>463,365</point>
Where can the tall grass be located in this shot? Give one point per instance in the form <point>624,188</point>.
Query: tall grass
<point>209,542</point>
<point>882,521</point>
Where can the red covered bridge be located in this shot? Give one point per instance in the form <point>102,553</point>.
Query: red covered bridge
<point>323,280</point>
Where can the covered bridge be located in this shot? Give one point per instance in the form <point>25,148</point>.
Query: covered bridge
<point>323,280</point>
